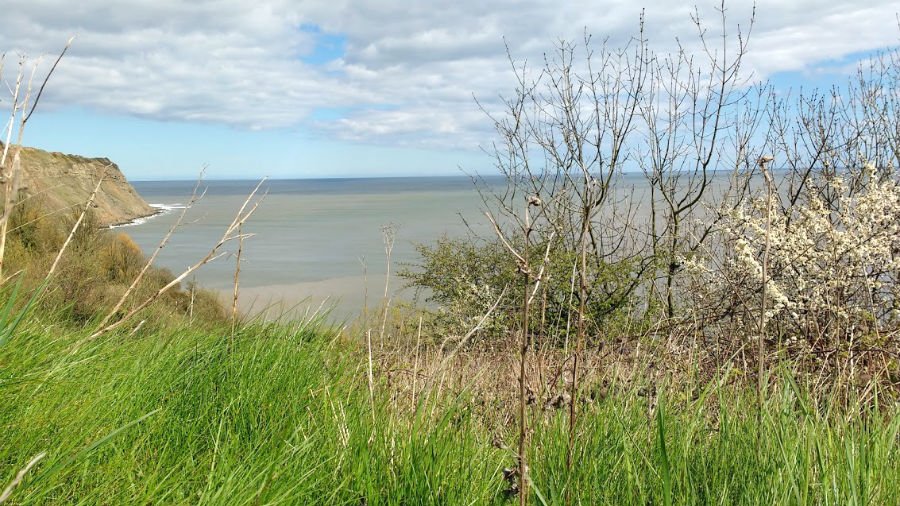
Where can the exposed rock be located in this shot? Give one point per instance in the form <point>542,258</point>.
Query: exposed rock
<point>66,181</point>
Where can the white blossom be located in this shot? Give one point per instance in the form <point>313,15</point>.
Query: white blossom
<point>831,263</point>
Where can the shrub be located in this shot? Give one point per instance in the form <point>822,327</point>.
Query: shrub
<point>95,270</point>
<point>121,258</point>
<point>465,278</point>
<point>833,263</point>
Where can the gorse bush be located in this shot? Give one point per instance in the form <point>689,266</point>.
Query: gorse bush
<point>464,279</point>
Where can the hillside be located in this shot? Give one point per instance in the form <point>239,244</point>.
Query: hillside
<point>64,181</point>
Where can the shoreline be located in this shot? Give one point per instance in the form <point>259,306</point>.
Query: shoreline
<point>339,299</point>
<point>159,210</point>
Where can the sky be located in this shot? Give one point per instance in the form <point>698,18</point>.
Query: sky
<point>341,88</point>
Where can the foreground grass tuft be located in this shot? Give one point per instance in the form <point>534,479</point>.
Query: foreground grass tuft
<point>282,414</point>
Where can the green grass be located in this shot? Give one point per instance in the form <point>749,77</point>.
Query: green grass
<point>282,415</point>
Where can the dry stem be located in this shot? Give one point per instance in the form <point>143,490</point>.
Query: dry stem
<point>237,274</point>
<point>75,227</point>
<point>162,244</point>
<point>20,476</point>
<point>231,233</point>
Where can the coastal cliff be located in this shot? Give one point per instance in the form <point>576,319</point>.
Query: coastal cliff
<point>63,181</point>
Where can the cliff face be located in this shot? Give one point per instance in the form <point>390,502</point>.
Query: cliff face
<point>65,181</point>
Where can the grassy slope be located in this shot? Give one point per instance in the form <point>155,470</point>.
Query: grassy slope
<point>282,415</point>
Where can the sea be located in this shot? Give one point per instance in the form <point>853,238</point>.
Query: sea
<point>314,244</point>
<point>319,245</point>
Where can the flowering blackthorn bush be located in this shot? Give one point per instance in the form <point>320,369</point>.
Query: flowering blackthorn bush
<point>832,268</point>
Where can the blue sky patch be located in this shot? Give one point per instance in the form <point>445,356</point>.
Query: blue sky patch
<point>823,74</point>
<point>328,47</point>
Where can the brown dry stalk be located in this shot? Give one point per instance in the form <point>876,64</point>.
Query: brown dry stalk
<point>579,344</point>
<point>14,108</point>
<point>162,244</point>
<point>237,274</point>
<point>416,363</point>
<point>191,306</point>
<point>527,296</point>
<point>388,234</point>
<point>11,188</point>
<point>10,177</point>
<point>10,180</point>
<point>371,373</point>
<point>523,360</point>
<point>765,272</point>
<point>230,234</point>
<point>75,227</point>
<point>365,270</point>
<point>20,476</point>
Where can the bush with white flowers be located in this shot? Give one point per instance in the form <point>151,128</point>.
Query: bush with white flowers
<point>833,262</point>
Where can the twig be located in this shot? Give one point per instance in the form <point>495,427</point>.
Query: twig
<point>462,342</point>
<point>508,246</point>
<point>87,206</point>
<point>237,274</point>
<point>47,78</point>
<point>416,362</point>
<point>162,244</point>
<point>242,216</point>
<point>765,272</point>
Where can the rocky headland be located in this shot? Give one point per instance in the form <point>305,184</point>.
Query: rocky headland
<point>63,181</point>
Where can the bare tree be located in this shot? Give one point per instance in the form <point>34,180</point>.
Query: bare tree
<point>699,118</point>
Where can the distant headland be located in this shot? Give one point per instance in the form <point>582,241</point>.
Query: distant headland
<point>64,181</point>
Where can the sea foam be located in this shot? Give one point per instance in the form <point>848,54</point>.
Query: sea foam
<point>161,209</point>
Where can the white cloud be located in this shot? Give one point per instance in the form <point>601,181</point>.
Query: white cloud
<point>409,70</point>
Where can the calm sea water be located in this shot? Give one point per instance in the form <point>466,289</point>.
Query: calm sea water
<point>314,240</point>
<point>321,240</point>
